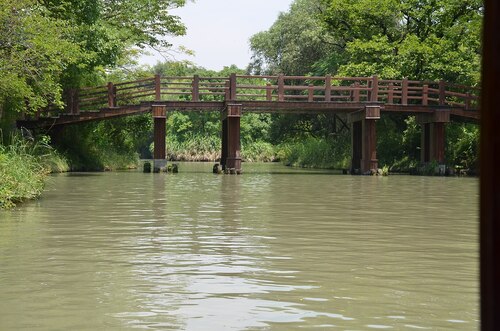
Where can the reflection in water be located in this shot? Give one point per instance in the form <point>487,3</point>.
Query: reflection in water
<point>274,249</point>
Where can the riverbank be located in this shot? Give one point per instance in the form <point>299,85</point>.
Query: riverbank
<point>24,166</point>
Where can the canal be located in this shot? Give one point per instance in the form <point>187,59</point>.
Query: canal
<point>273,249</point>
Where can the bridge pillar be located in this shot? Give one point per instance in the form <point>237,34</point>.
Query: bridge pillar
<point>230,153</point>
<point>432,146</point>
<point>364,139</point>
<point>159,133</point>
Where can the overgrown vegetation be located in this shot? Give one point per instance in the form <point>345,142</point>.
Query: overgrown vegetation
<point>24,164</point>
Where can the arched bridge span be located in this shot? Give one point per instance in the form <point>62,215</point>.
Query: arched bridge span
<point>363,99</point>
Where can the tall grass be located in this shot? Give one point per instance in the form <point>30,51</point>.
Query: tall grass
<point>24,165</point>
<point>315,153</point>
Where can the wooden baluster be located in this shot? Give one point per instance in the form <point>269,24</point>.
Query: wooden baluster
<point>269,92</point>
<point>310,93</point>
<point>232,87</point>
<point>76,102</point>
<point>374,91</point>
<point>157,87</point>
<point>356,92</point>
<point>442,93</point>
<point>467,101</point>
<point>281,88</point>
<point>227,92</point>
<point>328,88</point>
<point>404,92</point>
<point>390,93</point>
<point>111,95</point>
<point>425,95</point>
<point>195,93</point>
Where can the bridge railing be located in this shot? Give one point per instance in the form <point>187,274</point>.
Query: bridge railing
<point>276,88</point>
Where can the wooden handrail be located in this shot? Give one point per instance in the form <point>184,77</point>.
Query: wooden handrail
<point>272,88</point>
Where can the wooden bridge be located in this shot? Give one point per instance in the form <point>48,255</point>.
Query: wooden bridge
<point>363,99</point>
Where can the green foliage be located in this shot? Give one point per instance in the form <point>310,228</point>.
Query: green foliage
<point>316,153</point>
<point>107,145</point>
<point>420,39</point>
<point>34,52</point>
<point>258,151</point>
<point>24,164</point>
<point>293,43</point>
<point>195,147</point>
<point>463,146</point>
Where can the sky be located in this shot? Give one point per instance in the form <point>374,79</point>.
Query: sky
<point>218,31</point>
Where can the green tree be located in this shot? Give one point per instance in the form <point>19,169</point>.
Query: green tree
<point>293,43</point>
<point>34,52</point>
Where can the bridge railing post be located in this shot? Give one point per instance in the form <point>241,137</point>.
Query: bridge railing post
<point>390,93</point>
<point>227,92</point>
<point>442,93</point>
<point>425,95</point>
<point>467,101</point>
<point>269,92</point>
<point>374,90</point>
<point>404,92</point>
<point>355,95</point>
<point>310,93</point>
<point>328,88</point>
<point>232,87</point>
<point>281,87</point>
<point>157,87</point>
<point>111,95</point>
<point>195,93</point>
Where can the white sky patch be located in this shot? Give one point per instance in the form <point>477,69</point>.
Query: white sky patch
<point>218,31</point>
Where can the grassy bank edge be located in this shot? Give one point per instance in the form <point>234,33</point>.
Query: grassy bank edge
<point>24,167</point>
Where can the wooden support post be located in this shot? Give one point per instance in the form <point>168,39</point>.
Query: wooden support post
<point>231,158</point>
<point>227,91</point>
<point>269,92</point>
<point>195,93</point>
<point>425,143</point>
<point>374,91</point>
<point>355,97</point>
<point>310,93</point>
<point>438,137</point>
<point>356,146</point>
<point>232,87</point>
<point>157,87</point>
<point>281,88</point>
<point>390,93</point>
<point>442,93</point>
<point>328,88</point>
<point>160,120</point>
<point>223,154</point>
<point>111,95</point>
<point>432,147</point>
<point>490,176</point>
<point>425,95</point>
<point>404,92</point>
<point>72,104</point>
<point>364,139</point>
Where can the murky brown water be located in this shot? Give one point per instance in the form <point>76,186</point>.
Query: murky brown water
<point>274,249</point>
